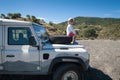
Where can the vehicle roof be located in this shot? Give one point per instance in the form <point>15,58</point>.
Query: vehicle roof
<point>14,22</point>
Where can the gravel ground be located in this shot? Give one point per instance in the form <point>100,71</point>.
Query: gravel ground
<point>104,61</point>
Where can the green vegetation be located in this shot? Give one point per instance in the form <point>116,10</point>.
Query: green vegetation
<point>18,16</point>
<point>86,27</point>
<point>94,28</point>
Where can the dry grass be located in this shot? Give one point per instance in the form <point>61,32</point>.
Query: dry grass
<point>104,59</point>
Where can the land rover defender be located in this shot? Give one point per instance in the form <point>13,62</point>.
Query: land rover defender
<point>26,49</point>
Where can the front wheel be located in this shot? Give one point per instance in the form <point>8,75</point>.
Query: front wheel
<point>68,72</point>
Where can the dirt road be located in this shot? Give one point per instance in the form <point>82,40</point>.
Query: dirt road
<point>104,59</point>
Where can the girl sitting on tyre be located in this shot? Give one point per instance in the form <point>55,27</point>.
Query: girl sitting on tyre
<point>70,31</point>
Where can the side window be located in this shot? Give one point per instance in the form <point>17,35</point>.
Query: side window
<point>18,35</point>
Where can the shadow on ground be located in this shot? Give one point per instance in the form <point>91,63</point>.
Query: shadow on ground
<point>95,74</point>
<point>91,74</point>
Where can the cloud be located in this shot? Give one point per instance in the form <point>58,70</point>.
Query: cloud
<point>41,18</point>
<point>44,19</point>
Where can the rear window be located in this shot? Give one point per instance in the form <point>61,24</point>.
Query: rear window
<point>18,35</point>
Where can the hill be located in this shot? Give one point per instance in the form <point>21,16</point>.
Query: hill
<point>93,27</point>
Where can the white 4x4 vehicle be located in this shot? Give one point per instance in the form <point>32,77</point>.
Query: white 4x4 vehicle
<point>25,49</point>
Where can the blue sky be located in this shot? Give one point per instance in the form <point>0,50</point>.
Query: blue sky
<point>60,10</point>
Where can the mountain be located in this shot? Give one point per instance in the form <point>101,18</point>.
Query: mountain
<point>105,22</point>
<point>93,27</point>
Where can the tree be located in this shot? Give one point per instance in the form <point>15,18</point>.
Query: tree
<point>16,15</point>
<point>51,23</point>
<point>90,33</point>
<point>2,16</point>
<point>28,16</point>
<point>10,15</point>
<point>33,18</point>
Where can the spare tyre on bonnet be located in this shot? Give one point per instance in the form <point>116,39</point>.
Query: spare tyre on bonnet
<point>60,39</point>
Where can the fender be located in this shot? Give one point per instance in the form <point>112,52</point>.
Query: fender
<point>68,59</point>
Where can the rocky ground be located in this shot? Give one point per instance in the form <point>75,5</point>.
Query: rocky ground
<point>104,61</point>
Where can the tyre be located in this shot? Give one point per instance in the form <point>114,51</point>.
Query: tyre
<point>60,39</point>
<point>68,72</point>
<point>0,77</point>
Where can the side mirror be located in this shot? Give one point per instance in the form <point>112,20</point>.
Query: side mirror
<point>32,41</point>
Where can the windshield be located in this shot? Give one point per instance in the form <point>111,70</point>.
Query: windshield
<point>41,32</point>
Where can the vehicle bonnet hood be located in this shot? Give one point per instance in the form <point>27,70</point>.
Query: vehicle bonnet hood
<point>58,46</point>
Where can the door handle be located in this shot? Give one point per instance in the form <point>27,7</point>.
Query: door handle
<point>10,55</point>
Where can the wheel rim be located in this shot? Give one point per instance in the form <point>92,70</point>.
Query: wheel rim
<point>70,75</point>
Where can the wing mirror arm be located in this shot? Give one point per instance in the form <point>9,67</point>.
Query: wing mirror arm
<point>32,42</point>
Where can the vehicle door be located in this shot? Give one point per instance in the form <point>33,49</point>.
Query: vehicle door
<point>18,54</point>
